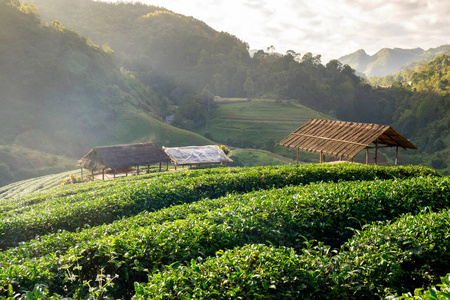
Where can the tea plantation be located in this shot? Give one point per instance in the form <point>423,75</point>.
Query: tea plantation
<point>343,231</point>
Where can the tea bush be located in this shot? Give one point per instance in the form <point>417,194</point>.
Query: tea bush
<point>383,259</point>
<point>281,217</point>
<point>120,199</point>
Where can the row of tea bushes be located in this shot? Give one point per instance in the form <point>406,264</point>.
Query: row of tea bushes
<point>282,217</point>
<point>25,187</point>
<point>130,197</point>
<point>61,241</point>
<point>384,259</point>
<point>347,171</point>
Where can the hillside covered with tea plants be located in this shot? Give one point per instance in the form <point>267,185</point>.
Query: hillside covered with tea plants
<point>342,231</point>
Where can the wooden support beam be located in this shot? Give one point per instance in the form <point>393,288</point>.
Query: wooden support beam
<point>103,174</point>
<point>298,155</point>
<point>367,155</point>
<point>160,166</point>
<point>396,156</point>
<point>376,152</point>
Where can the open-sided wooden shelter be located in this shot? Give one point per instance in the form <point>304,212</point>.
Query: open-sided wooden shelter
<point>344,140</point>
<point>123,156</point>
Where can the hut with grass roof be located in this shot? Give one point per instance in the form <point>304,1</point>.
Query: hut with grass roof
<point>123,157</point>
<point>344,140</point>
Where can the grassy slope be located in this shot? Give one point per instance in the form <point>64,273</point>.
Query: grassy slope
<point>136,126</point>
<point>256,157</point>
<point>132,126</point>
<point>257,121</point>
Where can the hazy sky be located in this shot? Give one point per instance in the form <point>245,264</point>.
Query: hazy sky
<point>331,28</point>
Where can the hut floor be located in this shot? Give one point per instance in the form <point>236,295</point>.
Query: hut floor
<point>130,173</point>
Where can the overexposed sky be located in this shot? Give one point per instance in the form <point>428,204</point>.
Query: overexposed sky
<point>331,28</point>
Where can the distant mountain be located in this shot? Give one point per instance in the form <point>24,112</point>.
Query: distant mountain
<point>388,61</point>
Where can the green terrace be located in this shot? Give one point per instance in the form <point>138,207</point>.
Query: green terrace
<point>140,236</point>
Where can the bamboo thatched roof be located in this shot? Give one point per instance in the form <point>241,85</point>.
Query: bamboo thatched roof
<point>195,155</point>
<point>123,156</point>
<point>343,139</point>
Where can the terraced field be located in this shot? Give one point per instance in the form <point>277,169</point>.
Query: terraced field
<point>343,231</point>
<point>256,122</point>
<point>26,187</point>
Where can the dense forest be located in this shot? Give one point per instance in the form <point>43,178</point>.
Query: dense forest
<point>52,80</point>
<point>162,63</point>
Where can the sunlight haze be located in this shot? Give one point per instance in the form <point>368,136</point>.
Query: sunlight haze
<point>326,27</point>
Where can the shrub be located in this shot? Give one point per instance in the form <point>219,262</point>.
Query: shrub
<point>282,217</point>
<point>124,198</point>
<point>383,259</point>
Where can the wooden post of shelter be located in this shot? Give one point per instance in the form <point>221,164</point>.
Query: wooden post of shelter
<point>114,173</point>
<point>367,155</point>
<point>137,170</point>
<point>396,155</point>
<point>103,174</point>
<point>167,168</point>
<point>160,166</point>
<point>376,152</point>
<point>148,168</point>
<point>298,155</point>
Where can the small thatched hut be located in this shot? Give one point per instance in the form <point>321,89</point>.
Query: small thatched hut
<point>123,156</point>
<point>344,140</point>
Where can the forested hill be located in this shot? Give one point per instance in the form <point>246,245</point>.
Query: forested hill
<point>167,60</point>
<point>182,55</point>
<point>51,83</point>
<point>161,46</point>
<point>420,109</point>
<point>62,95</point>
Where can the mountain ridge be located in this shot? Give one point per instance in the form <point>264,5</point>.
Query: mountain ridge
<point>388,60</point>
